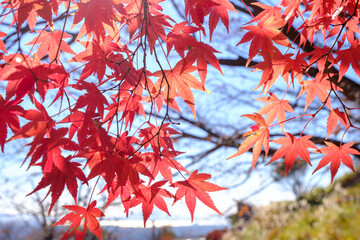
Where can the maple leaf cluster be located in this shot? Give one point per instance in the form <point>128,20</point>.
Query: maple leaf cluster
<point>84,91</point>
<point>89,82</point>
<point>336,22</point>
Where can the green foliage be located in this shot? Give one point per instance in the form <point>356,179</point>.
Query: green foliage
<point>323,213</point>
<point>338,222</point>
<point>316,196</point>
<point>233,218</point>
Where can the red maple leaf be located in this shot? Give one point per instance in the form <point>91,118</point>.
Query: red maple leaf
<point>155,28</point>
<point>180,38</point>
<point>323,7</point>
<point>95,55</point>
<point>2,45</point>
<point>106,165</point>
<point>109,165</point>
<point>150,22</point>
<point>29,10</point>
<point>150,196</point>
<point>267,12</point>
<point>40,124</point>
<point>63,172</point>
<point>129,104</point>
<point>49,44</point>
<point>97,15</point>
<point>160,99</point>
<point>335,116</point>
<point>291,148</point>
<point>123,190</point>
<point>24,74</point>
<point>178,81</point>
<point>80,124</point>
<point>59,78</point>
<point>197,10</point>
<point>9,116</point>
<point>154,136</point>
<point>202,53</point>
<point>92,100</point>
<point>163,164</point>
<point>196,187</point>
<point>321,56</point>
<point>111,159</point>
<point>48,149</point>
<point>81,219</point>
<point>295,67</point>
<point>336,155</point>
<point>134,14</point>
<point>258,137</point>
<point>347,56</point>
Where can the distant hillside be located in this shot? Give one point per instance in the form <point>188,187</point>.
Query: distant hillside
<point>14,228</point>
<point>323,213</point>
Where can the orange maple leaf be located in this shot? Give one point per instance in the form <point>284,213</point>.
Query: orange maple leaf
<point>274,108</point>
<point>263,35</point>
<point>291,7</point>
<point>258,136</point>
<point>317,87</point>
<point>272,67</point>
<point>336,155</point>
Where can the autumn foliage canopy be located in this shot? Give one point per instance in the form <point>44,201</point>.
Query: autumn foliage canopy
<point>91,84</point>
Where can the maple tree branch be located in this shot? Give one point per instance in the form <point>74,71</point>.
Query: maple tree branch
<point>291,31</point>
<point>62,34</point>
<point>235,140</point>
<point>350,87</point>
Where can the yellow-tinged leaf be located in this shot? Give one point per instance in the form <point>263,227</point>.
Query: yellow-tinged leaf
<point>258,138</point>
